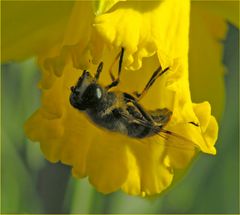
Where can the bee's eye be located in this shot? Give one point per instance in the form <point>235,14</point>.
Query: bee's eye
<point>98,93</point>
<point>92,94</point>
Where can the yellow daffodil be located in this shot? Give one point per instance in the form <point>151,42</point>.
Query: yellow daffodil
<point>152,33</point>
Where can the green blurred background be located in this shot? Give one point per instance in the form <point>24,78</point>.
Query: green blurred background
<point>30,184</point>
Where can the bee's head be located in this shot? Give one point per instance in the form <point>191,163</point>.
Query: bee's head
<point>87,93</point>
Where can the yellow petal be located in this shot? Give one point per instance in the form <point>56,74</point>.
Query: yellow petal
<point>135,27</point>
<point>31,27</point>
<point>107,162</point>
<point>229,10</point>
<point>205,58</point>
<point>208,125</point>
<point>148,174</point>
<point>52,134</point>
<point>204,135</point>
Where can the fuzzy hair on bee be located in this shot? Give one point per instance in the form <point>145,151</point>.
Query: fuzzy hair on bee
<point>119,111</point>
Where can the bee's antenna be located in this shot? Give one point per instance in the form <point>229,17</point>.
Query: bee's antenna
<point>99,70</point>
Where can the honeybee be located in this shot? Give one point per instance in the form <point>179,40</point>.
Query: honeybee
<point>119,111</point>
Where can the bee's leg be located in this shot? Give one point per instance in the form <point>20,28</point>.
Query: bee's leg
<point>154,77</point>
<point>99,70</point>
<point>146,115</point>
<point>120,57</point>
<point>115,81</point>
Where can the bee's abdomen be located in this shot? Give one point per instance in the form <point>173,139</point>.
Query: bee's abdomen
<point>142,127</point>
<point>138,127</point>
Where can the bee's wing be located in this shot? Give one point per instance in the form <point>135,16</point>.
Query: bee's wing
<point>170,139</point>
<point>173,140</point>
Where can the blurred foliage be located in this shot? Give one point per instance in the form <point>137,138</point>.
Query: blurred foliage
<point>30,184</point>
